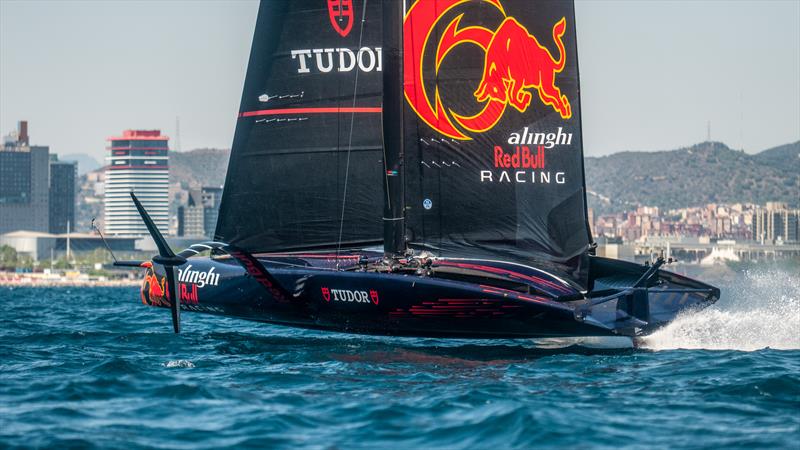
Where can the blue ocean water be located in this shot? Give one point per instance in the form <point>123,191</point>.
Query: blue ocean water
<point>93,367</point>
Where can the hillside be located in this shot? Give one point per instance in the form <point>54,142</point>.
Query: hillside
<point>704,173</point>
<point>784,157</point>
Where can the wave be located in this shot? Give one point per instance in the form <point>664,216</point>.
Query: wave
<point>760,309</point>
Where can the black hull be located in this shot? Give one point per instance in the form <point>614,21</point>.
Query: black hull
<point>451,298</point>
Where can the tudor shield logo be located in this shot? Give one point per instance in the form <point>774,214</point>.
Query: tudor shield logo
<point>326,294</point>
<point>341,14</point>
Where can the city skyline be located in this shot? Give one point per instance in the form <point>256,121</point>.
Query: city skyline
<point>644,85</point>
<point>37,191</point>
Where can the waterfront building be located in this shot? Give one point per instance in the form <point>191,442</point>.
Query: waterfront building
<point>62,195</point>
<point>24,183</point>
<point>190,216</point>
<point>212,196</point>
<point>138,161</point>
<point>199,216</point>
<point>776,222</point>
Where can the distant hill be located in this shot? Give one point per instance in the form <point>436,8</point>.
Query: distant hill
<point>704,173</point>
<point>708,172</point>
<point>196,168</point>
<point>784,157</point>
<point>85,162</point>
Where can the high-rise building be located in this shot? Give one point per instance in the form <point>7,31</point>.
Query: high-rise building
<point>199,216</point>
<point>776,223</point>
<point>793,226</point>
<point>212,197</point>
<point>137,162</point>
<point>190,216</point>
<point>24,183</point>
<point>62,195</point>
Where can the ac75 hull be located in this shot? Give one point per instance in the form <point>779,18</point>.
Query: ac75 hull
<point>408,304</point>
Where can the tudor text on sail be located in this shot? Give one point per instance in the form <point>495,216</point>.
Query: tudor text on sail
<point>325,60</point>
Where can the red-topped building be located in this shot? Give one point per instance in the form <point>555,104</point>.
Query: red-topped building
<point>138,161</point>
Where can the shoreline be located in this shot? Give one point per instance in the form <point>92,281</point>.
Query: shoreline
<point>13,279</point>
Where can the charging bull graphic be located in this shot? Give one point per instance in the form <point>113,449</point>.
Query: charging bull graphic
<point>154,291</point>
<point>516,64</point>
<point>515,61</point>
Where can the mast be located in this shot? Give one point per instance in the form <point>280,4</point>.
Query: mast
<point>392,122</point>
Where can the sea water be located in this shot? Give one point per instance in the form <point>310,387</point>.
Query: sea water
<point>93,367</point>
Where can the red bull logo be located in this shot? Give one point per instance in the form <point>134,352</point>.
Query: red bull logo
<point>188,293</point>
<point>154,291</point>
<point>516,62</point>
<point>515,65</point>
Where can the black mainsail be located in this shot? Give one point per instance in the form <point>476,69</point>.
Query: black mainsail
<point>494,154</point>
<point>304,170</point>
<point>486,160</point>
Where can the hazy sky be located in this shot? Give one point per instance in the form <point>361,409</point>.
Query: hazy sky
<point>653,73</point>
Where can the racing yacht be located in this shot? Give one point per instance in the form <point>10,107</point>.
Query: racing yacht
<point>413,168</point>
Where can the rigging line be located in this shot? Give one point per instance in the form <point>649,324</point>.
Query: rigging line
<point>350,137</point>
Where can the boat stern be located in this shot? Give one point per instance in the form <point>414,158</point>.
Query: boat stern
<point>631,302</point>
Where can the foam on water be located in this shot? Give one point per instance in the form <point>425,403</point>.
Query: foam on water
<point>759,310</point>
<point>179,363</point>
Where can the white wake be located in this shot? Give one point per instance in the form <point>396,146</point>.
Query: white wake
<point>758,310</point>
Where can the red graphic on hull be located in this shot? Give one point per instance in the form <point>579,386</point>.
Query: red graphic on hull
<point>459,308</point>
<point>254,268</point>
<point>373,295</point>
<point>154,291</point>
<point>189,294</point>
<point>326,294</point>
